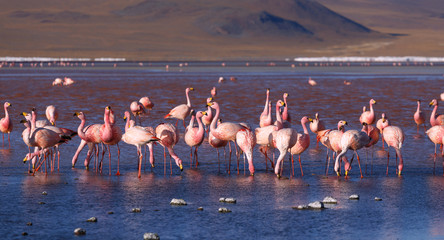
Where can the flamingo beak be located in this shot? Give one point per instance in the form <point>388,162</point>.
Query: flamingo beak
<point>346,173</point>
<point>191,89</point>
<point>24,114</point>
<point>181,167</point>
<point>337,173</point>
<point>25,159</point>
<point>310,119</point>
<point>23,121</point>
<point>152,165</point>
<point>75,114</point>
<point>431,104</point>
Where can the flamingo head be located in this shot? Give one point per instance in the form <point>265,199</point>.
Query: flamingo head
<point>7,104</point>
<point>304,120</point>
<point>341,124</point>
<point>372,101</point>
<point>317,116</point>
<point>434,102</point>
<point>213,105</point>
<point>310,120</point>
<point>285,96</point>
<point>209,100</point>
<point>280,103</point>
<point>189,89</point>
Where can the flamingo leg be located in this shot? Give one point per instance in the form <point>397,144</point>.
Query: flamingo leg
<point>171,166</point>
<point>292,164</point>
<point>300,165</point>
<point>388,157</point>
<point>109,155</point>
<point>164,161</point>
<point>359,163</point>
<point>396,157</point>
<point>196,156</point>
<point>229,158</point>
<point>139,153</point>
<point>118,159</point>
<point>218,160</point>
<point>327,163</point>
<point>191,157</point>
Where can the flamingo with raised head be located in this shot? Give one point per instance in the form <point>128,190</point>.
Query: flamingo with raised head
<point>368,116</point>
<point>381,124</point>
<point>213,92</point>
<point>436,135</point>
<point>6,124</point>
<point>182,111</point>
<point>286,118</point>
<point>52,114</point>
<point>312,82</point>
<point>435,119</point>
<point>90,136</point>
<point>246,140</point>
<point>317,126</point>
<point>302,143</point>
<point>265,118</point>
<point>194,136</point>
<point>169,136</point>
<point>394,137</point>
<point>419,117</point>
<point>137,136</point>
<point>208,117</point>
<point>110,134</point>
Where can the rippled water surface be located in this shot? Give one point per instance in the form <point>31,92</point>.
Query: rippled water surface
<point>411,207</point>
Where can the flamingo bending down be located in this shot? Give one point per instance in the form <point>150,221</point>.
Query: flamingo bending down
<point>394,137</point>
<point>217,143</point>
<point>182,111</point>
<point>246,140</point>
<point>169,136</point>
<point>435,119</point>
<point>90,136</point>
<point>419,117</point>
<point>312,82</point>
<point>137,109</point>
<point>368,116</point>
<point>286,118</point>
<point>265,118</point>
<point>137,136</point>
<point>52,114</point>
<point>6,124</point>
<point>302,143</point>
<point>316,126</point>
<point>332,140</point>
<point>436,135</point>
<point>146,102</point>
<point>381,124</point>
<point>194,136</point>
<point>57,82</point>
<point>354,140</point>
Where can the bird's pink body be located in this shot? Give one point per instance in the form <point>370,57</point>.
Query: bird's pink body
<point>368,116</point>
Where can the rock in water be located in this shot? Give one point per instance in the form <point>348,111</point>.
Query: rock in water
<point>79,231</point>
<point>230,200</point>
<point>378,199</point>
<point>178,202</point>
<point>224,210</point>
<point>151,236</point>
<point>44,193</point>
<point>92,219</point>
<point>316,205</point>
<point>329,200</point>
<point>354,197</point>
<point>221,199</point>
<point>301,207</point>
<point>200,208</point>
<point>136,210</point>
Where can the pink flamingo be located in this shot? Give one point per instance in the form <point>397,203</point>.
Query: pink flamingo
<point>194,136</point>
<point>265,118</point>
<point>246,141</point>
<point>354,140</point>
<point>146,102</point>
<point>333,140</point>
<point>302,143</point>
<point>213,92</point>
<point>435,119</point>
<point>90,136</point>
<point>368,116</point>
<point>137,136</point>
<point>52,114</point>
<point>394,137</point>
<point>286,118</point>
<point>436,135</point>
<point>419,117</point>
<point>316,126</point>
<point>110,134</point>
<point>57,82</point>
<point>180,112</point>
<point>381,124</point>
<point>283,139</point>
<point>6,124</point>
<point>137,109</point>
<point>206,119</point>
<point>68,81</point>
<point>169,136</point>
<point>373,133</point>
<point>38,123</point>
<point>217,143</point>
<point>312,82</point>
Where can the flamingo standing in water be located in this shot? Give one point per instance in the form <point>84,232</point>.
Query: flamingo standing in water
<point>110,134</point>
<point>246,140</point>
<point>265,118</point>
<point>137,136</point>
<point>206,119</point>
<point>354,140</point>
<point>286,118</point>
<point>52,114</point>
<point>169,136</point>
<point>436,135</point>
<point>302,143</point>
<point>283,140</point>
<point>435,119</point>
<point>90,136</point>
<point>332,140</point>
<point>373,133</point>
<point>194,136</point>
<point>317,126</point>
<point>312,82</point>
<point>419,117</point>
<point>381,124</point>
<point>217,143</point>
<point>368,116</point>
<point>6,124</point>
<point>180,112</point>
<point>394,137</point>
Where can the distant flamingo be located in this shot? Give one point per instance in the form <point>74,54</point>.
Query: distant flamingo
<point>265,118</point>
<point>368,116</point>
<point>52,114</point>
<point>442,96</point>
<point>286,118</point>
<point>217,143</point>
<point>394,137</point>
<point>90,136</point>
<point>146,102</point>
<point>137,136</point>
<point>213,92</point>
<point>312,82</point>
<point>354,140</point>
<point>6,124</point>
<point>194,136</point>
<point>206,119</point>
<point>169,136</point>
<point>381,124</point>
<point>302,143</point>
<point>435,119</point>
<point>436,135</point>
<point>347,82</point>
<point>57,82</point>
<point>317,125</point>
<point>419,117</point>
<point>182,111</point>
<point>68,81</point>
<point>246,140</point>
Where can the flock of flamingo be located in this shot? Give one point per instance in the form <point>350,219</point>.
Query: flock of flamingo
<point>46,137</point>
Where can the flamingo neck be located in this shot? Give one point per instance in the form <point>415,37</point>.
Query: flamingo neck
<point>80,128</point>
<point>191,122</point>
<point>432,117</point>
<point>419,107</point>
<point>127,122</point>
<point>266,109</point>
<point>199,122</point>
<point>303,123</point>
<point>214,121</point>
<point>278,118</point>
<point>33,120</point>
<point>188,99</point>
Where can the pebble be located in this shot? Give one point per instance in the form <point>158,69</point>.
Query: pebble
<point>329,200</point>
<point>224,210</point>
<point>151,236</point>
<point>200,208</point>
<point>29,223</point>
<point>24,233</point>
<point>354,197</point>
<point>136,210</point>
<point>44,193</point>
<point>378,199</point>
<point>227,200</point>
<point>79,231</point>
<point>42,203</point>
<point>178,202</point>
<point>111,212</point>
<point>92,219</point>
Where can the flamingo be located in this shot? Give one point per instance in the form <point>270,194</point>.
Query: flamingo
<point>57,82</point>
<point>146,102</point>
<point>436,135</point>
<point>137,136</point>
<point>373,133</point>
<point>302,143</point>
<point>90,136</point>
<point>368,116</point>
<point>137,109</point>
<point>206,119</point>
<point>217,143</point>
<point>419,117</point>
<point>180,112</point>
<point>312,82</point>
<point>213,92</point>
<point>435,119</point>
<point>110,134</point>
<point>52,114</point>
<point>381,124</point>
<point>194,136</point>
<point>38,123</point>
<point>394,137</point>
<point>169,136</point>
<point>68,81</point>
<point>265,118</point>
<point>6,124</point>
<point>246,141</point>
<point>332,140</point>
<point>283,139</point>
<point>286,118</point>
<point>317,126</point>
<point>354,140</point>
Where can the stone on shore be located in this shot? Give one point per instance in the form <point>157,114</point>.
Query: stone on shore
<point>329,200</point>
<point>178,202</point>
<point>151,236</point>
<point>79,231</point>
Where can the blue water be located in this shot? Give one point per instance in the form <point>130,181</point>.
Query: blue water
<point>410,208</point>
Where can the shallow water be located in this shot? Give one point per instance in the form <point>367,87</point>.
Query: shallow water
<point>411,206</point>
